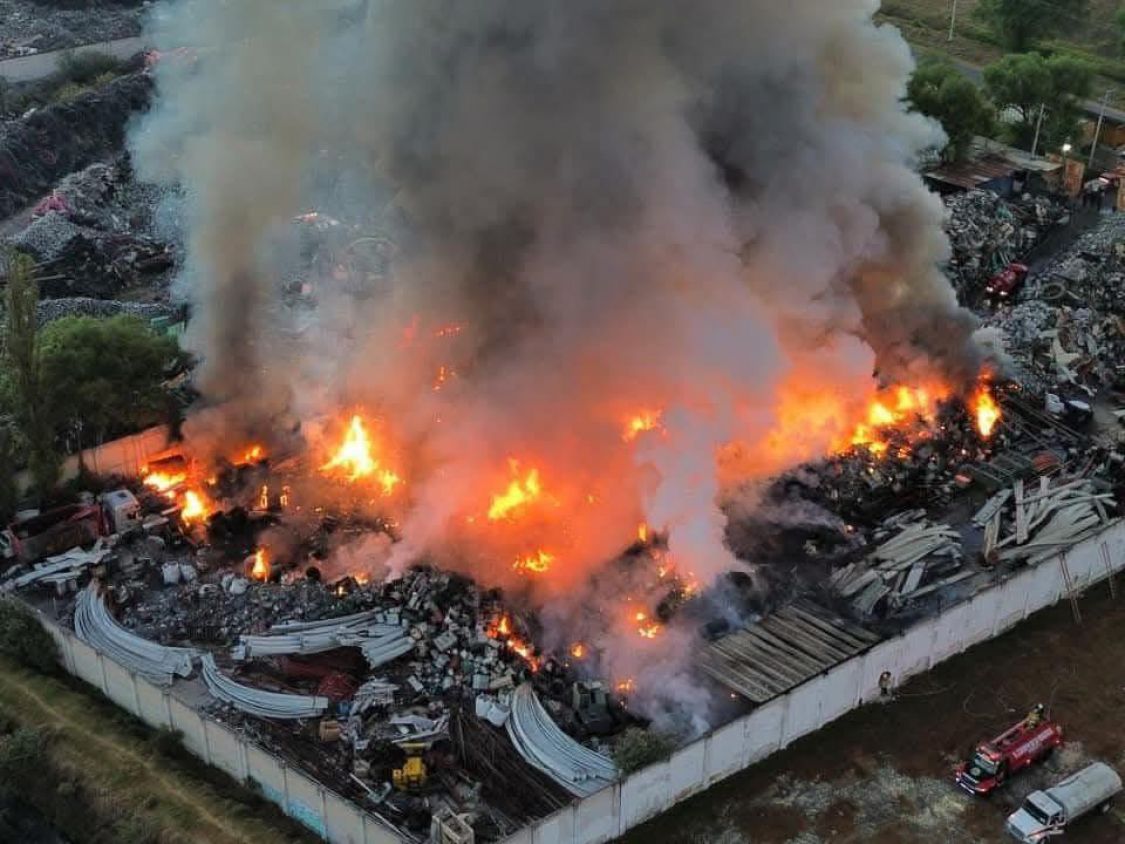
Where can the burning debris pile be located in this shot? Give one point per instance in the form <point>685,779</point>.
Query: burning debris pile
<point>96,235</point>
<point>988,232</point>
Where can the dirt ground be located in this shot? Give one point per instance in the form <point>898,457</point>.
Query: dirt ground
<point>883,773</point>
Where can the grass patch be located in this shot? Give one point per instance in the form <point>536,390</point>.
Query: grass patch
<point>103,776</point>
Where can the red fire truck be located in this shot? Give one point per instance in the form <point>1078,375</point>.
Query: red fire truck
<point>993,761</point>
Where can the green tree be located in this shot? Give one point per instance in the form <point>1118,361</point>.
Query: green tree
<point>103,377</point>
<point>637,748</point>
<point>1022,84</point>
<point>24,639</point>
<point>9,495</point>
<point>1019,24</point>
<point>938,90</point>
<point>22,354</point>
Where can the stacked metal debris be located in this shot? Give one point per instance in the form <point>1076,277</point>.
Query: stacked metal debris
<point>919,552</point>
<point>1039,523</point>
<point>260,702</point>
<point>95,626</point>
<point>63,568</point>
<point>988,232</point>
<point>544,746</point>
<point>374,633</point>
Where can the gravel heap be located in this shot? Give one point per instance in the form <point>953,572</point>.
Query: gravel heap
<point>51,309</point>
<point>34,27</point>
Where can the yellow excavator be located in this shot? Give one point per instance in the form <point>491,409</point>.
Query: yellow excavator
<point>412,775</point>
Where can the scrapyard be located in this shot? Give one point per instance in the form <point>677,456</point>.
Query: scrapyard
<point>525,483</point>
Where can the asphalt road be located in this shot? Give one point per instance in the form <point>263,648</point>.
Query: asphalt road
<point>30,68</point>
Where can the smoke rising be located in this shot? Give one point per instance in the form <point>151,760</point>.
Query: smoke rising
<point>618,206</point>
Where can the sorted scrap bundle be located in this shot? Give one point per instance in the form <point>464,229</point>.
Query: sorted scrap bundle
<point>94,625</point>
<point>259,702</point>
<point>544,746</point>
<point>1041,524</point>
<point>896,570</point>
<point>379,640</point>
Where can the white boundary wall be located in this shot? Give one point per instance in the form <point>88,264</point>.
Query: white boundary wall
<point>643,795</point>
<point>126,456</point>
<point>326,813</point>
<point>771,727</point>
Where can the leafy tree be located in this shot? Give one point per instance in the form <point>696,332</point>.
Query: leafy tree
<point>104,376</point>
<point>21,759</point>
<point>22,354</point>
<point>1020,23</point>
<point>9,495</point>
<point>24,639</point>
<point>637,748</point>
<point>938,90</point>
<point>1119,19</point>
<point>1024,83</point>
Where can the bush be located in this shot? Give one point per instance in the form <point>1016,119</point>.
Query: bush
<point>84,68</point>
<point>639,748</point>
<point>20,759</point>
<point>25,640</point>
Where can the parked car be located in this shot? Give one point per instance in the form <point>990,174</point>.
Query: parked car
<point>1007,283</point>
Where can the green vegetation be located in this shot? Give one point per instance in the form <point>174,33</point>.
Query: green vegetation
<point>102,777</point>
<point>637,748</point>
<point>1020,24</point>
<point>1028,82</point>
<point>102,377</point>
<point>24,640</point>
<point>941,91</point>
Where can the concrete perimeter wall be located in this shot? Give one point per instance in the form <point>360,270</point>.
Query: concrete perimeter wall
<point>326,813</point>
<point>646,793</point>
<point>126,456</point>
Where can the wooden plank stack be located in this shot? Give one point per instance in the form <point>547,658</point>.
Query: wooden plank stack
<point>912,550</point>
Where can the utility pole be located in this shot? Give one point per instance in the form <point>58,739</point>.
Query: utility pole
<point>952,20</point>
<point>1038,126</point>
<point>1098,131</point>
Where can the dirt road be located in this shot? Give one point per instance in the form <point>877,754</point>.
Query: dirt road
<point>882,773</point>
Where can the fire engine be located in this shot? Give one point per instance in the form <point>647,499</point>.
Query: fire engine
<point>995,760</point>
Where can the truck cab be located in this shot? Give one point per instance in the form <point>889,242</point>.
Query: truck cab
<point>991,762</point>
<point>1048,813</point>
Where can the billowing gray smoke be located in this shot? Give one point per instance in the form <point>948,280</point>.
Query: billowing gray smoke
<point>700,210</point>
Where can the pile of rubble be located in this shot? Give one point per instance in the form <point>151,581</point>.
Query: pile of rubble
<point>51,309</point>
<point>95,235</point>
<point>988,232</point>
<point>32,26</point>
<point>914,558</point>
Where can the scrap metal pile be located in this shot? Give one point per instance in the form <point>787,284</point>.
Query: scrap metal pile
<point>988,232</point>
<point>96,235</point>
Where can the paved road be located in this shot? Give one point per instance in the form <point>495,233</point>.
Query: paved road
<point>30,68</point>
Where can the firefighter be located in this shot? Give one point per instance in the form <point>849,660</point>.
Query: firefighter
<point>1035,716</point>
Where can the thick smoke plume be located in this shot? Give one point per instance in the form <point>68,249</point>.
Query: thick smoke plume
<point>600,209</point>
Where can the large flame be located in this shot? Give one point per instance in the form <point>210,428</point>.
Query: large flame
<point>520,493</point>
<point>900,407</point>
<point>643,422</point>
<point>536,563</point>
<point>355,459</point>
<point>164,481</point>
<point>985,410</point>
<point>261,569</point>
<point>195,507</point>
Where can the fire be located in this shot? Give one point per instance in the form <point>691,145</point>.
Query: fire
<point>578,650</point>
<point>253,454</point>
<point>163,481</point>
<point>643,422</point>
<point>985,410</point>
<point>647,628</point>
<point>451,330</point>
<point>642,532</point>
<point>626,686</point>
<point>897,408</point>
<point>538,563</point>
<point>264,497</point>
<point>520,492</point>
<point>261,569</point>
<point>195,507</point>
<point>355,459</point>
<point>444,374</point>
<point>502,630</point>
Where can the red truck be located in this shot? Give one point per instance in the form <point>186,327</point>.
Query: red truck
<point>995,760</point>
<point>1007,283</point>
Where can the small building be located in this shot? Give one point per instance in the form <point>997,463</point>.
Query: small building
<point>995,167</point>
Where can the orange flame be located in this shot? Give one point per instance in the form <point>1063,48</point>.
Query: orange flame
<point>520,492</point>
<point>626,686</point>
<point>502,630</point>
<point>897,408</point>
<point>643,422</point>
<point>642,532</point>
<point>195,507</point>
<point>647,628</point>
<point>985,409</point>
<point>444,374</point>
<point>578,650</point>
<point>253,454</point>
<point>537,563</point>
<point>163,481</point>
<point>355,460</point>
<point>261,569</point>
